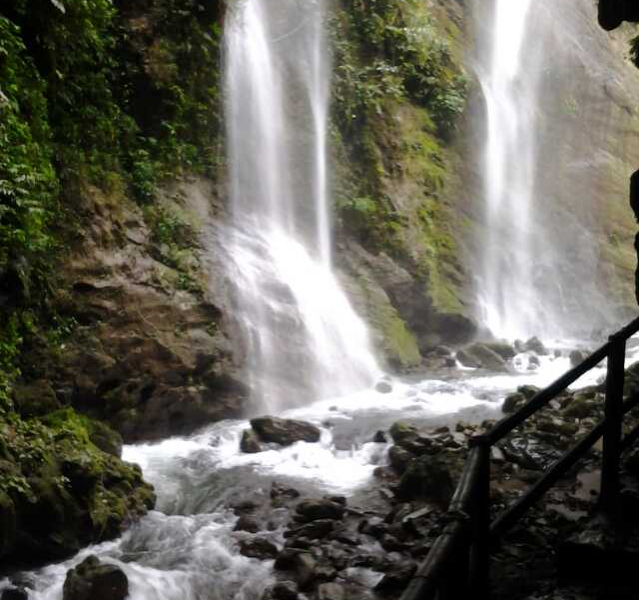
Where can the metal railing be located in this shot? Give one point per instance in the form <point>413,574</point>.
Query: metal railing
<point>457,566</point>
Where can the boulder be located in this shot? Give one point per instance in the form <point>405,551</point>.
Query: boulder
<point>396,579</point>
<point>14,594</point>
<point>409,438</point>
<point>313,510</point>
<point>35,399</point>
<point>283,590</point>
<point>528,390</point>
<point>105,438</point>
<point>576,356</point>
<point>426,478</point>
<point>399,458</point>
<point>384,387</point>
<point>314,530</point>
<point>304,567</point>
<point>534,344</point>
<point>250,443</point>
<point>504,349</point>
<point>379,437</point>
<point>331,591</point>
<point>259,547</point>
<point>480,355</point>
<point>529,453</point>
<point>247,523</point>
<point>467,360</point>
<point>513,402</point>
<point>284,431</point>
<point>94,580</point>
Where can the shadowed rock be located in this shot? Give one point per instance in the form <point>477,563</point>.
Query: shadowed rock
<point>284,431</point>
<point>93,580</point>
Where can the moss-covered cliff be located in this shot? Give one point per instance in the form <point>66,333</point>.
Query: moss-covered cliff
<point>400,91</point>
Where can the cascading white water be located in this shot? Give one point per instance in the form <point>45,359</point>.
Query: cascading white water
<point>507,294</point>
<point>304,339</point>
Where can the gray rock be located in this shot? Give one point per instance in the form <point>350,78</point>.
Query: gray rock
<point>304,566</point>
<point>284,431</point>
<point>513,402</point>
<point>397,578</point>
<point>247,523</point>
<point>14,594</point>
<point>314,510</point>
<point>534,344</point>
<point>284,590</point>
<point>313,530</point>
<point>93,580</point>
<point>399,458</point>
<point>379,437</point>
<point>576,356</point>
<point>250,443</point>
<point>384,387</point>
<point>258,547</point>
<point>504,349</point>
<point>480,355</point>
<point>331,591</point>
<point>427,477</point>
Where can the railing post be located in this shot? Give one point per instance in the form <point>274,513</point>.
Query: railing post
<point>480,550</point>
<point>613,416</point>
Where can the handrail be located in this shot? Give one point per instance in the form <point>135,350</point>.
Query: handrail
<point>464,545</point>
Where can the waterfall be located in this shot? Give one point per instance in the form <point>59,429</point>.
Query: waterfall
<point>304,340</point>
<point>508,294</point>
<point>546,131</point>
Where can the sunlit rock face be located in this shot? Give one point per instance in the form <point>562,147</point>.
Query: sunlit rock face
<point>570,223</point>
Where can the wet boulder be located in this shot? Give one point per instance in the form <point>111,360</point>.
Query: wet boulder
<point>247,523</point>
<point>314,510</point>
<point>315,530</point>
<point>410,439</point>
<point>576,356</point>
<point>513,402</point>
<point>384,387</point>
<point>396,579</point>
<point>35,399</point>
<point>399,458</point>
<point>504,349</point>
<point>284,431</point>
<point>481,356</point>
<point>331,591</point>
<point>14,594</point>
<point>259,547</point>
<point>426,478</point>
<point>534,344</point>
<point>94,580</point>
<point>282,590</point>
<point>250,442</point>
<point>529,453</point>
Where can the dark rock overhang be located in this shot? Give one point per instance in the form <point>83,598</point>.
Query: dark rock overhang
<point>613,13</point>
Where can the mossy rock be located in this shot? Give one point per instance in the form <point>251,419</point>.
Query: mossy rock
<point>65,491</point>
<point>35,399</point>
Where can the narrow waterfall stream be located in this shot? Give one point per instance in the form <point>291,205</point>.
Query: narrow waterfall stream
<point>309,353</point>
<point>510,299</point>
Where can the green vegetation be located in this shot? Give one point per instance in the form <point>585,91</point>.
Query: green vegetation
<point>91,92</point>
<point>58,489</point>
<point>400,89</point>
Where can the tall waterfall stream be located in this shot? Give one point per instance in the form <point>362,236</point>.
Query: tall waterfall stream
<point>310,354</point>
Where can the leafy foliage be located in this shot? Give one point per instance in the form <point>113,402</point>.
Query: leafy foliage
<point>386,49</point>
<point>91,91</point>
